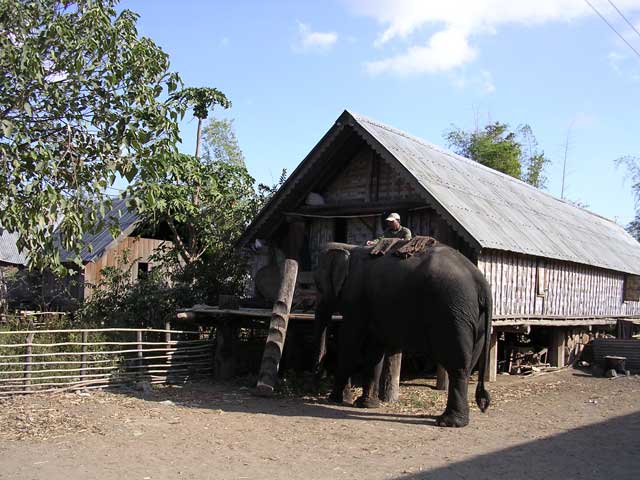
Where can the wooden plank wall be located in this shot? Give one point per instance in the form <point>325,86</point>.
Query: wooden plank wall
<point>367,177</point>
<point>524,285</point>
<point>427,222</point>
<point>138,250</point>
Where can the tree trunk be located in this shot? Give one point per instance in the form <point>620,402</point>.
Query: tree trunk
<point>278,329</point>
<point>198,138</point>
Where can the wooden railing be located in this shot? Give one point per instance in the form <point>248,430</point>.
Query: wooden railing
<point>38,361</point>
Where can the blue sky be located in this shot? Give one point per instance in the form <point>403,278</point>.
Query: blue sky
<point>291,67</point>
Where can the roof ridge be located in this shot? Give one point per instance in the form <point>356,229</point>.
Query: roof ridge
<point>425,143</point>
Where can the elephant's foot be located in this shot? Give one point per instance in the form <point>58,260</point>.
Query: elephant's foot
<point>367,402</point>
<point>448,419</point>
<point>345,397</point>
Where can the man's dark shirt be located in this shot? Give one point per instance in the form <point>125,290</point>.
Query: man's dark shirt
<point>402,232</point>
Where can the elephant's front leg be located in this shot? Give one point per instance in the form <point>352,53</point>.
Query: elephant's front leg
<point>457,412</point>
<point>373,358</point>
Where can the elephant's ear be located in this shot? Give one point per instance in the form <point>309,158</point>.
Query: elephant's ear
<point>339,270</point>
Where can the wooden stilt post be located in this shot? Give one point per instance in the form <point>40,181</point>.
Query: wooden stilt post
<point>28,358</point>
<point>390,379</point>
<point>268,376</point>
<point>226,347</point>
<point>442,378</point>
<point>491,370</point>
<point>557,350</point>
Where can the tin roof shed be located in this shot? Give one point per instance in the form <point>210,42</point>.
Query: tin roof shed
<point>492,209</point>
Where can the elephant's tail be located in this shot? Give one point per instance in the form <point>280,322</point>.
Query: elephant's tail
<point>483,399</point>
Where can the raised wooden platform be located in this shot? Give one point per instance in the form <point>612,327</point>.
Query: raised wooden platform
<point>207,311</point>
<point>203,311</point>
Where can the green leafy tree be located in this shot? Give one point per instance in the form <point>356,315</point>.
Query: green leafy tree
<point>202,100</point>
<point>84,100</point>
<point>220,142</point>
<point>496,146</point>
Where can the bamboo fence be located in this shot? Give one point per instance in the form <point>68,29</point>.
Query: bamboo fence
<point>39,361</point>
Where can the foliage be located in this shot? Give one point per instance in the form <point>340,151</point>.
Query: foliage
<point>221,144</point>
<point>496,146</point>
<point>81,103</point>
<point>202,99</point>
<point>632,164</point>
<point>206,203</point>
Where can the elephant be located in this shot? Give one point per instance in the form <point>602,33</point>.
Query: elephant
<point>435,300</point>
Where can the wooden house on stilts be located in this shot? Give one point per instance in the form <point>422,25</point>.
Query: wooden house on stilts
<point>553,267</point>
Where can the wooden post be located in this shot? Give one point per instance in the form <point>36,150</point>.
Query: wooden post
<point>557,348</point>
<point>278,329</point>
<point>491,370</point>
<point>389,390</point>
<point>140,360</point>
<point>27,359</point>
<point>83,357</point>
<point>442,378</point>
<point>167,334</point>
<point>281,308</point>
<point>224,362</point>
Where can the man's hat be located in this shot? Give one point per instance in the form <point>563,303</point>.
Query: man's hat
<point>392,217</point>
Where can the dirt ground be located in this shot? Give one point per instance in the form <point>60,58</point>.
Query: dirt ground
<point>565,425</point>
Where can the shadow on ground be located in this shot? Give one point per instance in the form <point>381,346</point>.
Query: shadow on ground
<point>603,450</point>
<point>235,397</point>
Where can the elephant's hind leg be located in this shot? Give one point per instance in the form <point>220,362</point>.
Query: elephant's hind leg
<point>457,412</point>
<point>373,358</point>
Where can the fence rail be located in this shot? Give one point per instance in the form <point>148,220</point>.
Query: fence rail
<point>38,361</point>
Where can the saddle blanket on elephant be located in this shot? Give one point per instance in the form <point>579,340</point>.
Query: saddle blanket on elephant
<point>402,248</point>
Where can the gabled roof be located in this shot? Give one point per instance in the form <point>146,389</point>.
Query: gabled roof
<point>497,211</point>
<point>9,252</point>
<point>96,242</point>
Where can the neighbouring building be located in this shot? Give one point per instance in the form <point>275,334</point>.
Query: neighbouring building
<point>102,249</point>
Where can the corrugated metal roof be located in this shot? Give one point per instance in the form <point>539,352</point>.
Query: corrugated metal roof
<point>9,252</point>
<point>95,243</point>
<point>503,213</point>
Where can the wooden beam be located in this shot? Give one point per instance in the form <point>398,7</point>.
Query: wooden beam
<point>357,208</point>
<point>557,347</point>
<point>491,370</point>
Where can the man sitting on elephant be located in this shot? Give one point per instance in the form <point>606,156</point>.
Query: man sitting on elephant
<point>394,229</point>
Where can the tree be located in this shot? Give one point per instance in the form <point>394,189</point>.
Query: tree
<point>202,99</point>
<point>83,100</point>
<point>495,146</point>
<point>632,164</point>
<point>220,142</point>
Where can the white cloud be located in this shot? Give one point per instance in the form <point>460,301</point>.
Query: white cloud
<point>456,22</point>
<point>445,50</point>
<point>310,41</point>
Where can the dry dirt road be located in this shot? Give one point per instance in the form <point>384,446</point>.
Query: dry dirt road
<point>565,425</point>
